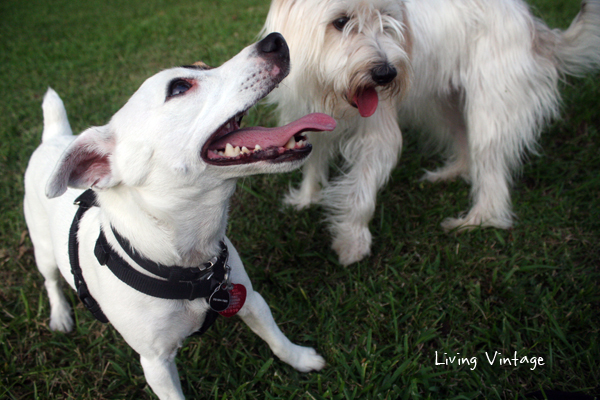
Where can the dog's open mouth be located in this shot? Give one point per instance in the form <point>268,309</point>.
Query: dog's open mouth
<point>230,145</point>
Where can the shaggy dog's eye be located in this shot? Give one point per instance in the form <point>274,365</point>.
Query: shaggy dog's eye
<point>178,86</point>
<point>340,23</point>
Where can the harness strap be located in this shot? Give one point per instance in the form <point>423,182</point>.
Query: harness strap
<point>85,201</point>
<point>164,289</point>
<point>172,273</point>
<point>199,282</point>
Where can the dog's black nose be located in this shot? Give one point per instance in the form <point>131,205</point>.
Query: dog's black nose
<point>273,43</point>
<point>383,74</point>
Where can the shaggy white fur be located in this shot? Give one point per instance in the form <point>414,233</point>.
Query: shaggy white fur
<point>479,76</point>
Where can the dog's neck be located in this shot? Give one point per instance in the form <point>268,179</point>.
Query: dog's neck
<point>182,227</point>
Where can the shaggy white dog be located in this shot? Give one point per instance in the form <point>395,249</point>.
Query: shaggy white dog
<point>480,76</point>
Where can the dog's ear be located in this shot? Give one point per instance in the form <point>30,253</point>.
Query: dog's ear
<point>85,163</point>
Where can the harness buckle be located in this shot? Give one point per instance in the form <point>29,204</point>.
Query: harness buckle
<point>226,278</point>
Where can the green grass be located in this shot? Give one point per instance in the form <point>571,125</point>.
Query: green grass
<point>532,289</point>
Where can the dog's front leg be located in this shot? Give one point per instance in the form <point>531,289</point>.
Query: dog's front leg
<point>257,315</point>
<point>161,374</point>
<point>315,172</point>
<point>370,155</point>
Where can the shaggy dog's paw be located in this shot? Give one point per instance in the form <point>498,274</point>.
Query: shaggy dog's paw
<point>447,173</point>
<point>471,222</point>
<point>352,245</point>
<point>300,199</point>
<point>457,225</point>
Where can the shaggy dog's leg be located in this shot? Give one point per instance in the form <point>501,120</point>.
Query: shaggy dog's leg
<point>491,162</point>
<point>490,192</point>
<point>505,106</point>
<point>315,172</point>
<point>446,122</point>
<point>370,155</point>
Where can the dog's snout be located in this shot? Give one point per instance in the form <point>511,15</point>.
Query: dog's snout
<point>383,74</point>
<point>274,43</point>
<point>274,50</point>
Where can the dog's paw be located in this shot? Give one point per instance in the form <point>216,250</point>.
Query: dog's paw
<point>61,320</point>
<point>457,225</point>
<point>447,173</point>
<point>471,222</point>
<point>352,245</point>
<point>300,199</point>
<point>304,359</point>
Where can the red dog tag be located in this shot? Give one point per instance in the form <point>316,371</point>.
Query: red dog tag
<point>237,298</point>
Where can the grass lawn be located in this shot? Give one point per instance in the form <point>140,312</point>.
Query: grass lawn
<point>532,290</point>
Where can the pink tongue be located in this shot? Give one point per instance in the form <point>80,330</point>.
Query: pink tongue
<point>367,102</point>
<point>275,137</point>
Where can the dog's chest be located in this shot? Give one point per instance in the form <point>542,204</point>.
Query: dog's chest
<point>130,311</point>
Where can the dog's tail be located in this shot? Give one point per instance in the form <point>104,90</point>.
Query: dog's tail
<point>577,49</point>
<point>56,122</point>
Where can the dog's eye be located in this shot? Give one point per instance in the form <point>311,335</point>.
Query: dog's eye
<point>177,87</point>
<point>340,23</point>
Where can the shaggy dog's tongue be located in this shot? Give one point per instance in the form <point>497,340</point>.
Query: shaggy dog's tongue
<point>366,102</point>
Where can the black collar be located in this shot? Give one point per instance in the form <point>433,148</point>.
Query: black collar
<point>178,283</point>
<point>174,273</point>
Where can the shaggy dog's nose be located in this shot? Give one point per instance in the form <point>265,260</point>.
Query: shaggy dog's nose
<point>383,74</point>
<point>273,43</point>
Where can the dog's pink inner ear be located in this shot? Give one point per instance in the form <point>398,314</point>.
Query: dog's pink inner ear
<point>92,169</point>
<point>84,164</point>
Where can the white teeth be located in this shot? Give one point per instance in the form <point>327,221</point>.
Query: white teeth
<point>233,152</point>
<point>230,151</point>
<point>291,143</point>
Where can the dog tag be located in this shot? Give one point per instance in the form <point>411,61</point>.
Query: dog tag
<point>219,300</point>
<point>237,298</point>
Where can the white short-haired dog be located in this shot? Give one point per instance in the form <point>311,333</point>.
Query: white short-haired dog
<point>147,249</point>
<point>481,76</point>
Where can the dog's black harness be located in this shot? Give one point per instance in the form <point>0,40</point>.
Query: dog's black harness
<point>178,283</point>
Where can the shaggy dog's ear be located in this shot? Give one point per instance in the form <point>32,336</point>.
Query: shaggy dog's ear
<point>85,163</point>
